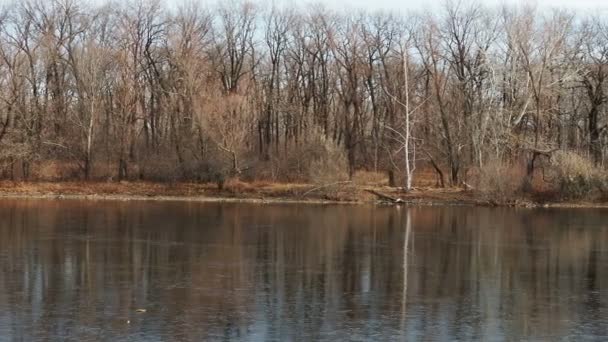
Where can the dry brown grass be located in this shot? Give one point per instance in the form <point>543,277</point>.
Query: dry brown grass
<point>236,187</point>
<point>104,188</point>
<point>328,163</point>
<point>233,188</point>
<point>576,177</point>
<point>370,178</point>
<point>265,190</point>
<point>499,181</point>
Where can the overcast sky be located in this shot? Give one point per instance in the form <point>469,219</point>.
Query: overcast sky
<point>404,5</point>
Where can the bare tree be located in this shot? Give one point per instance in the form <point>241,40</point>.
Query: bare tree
<point>154,92</point>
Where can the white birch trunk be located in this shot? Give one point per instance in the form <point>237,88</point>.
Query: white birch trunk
<point>409,168</point>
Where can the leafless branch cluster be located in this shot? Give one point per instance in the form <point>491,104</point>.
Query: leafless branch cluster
<point>133,87</point>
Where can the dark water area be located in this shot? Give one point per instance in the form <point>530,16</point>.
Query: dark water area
<point>148,271</point>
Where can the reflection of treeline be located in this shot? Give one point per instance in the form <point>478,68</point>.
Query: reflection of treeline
<point>218,268</point>
<point>136,90</point>
<point>537,272</point>
<point>217,263</point>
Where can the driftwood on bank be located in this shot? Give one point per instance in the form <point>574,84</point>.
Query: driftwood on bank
<point>323,187</point>
<point>386,198</point>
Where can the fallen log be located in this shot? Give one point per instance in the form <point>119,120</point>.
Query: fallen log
<point>323,187</point>
<point>467,187</point>
<point>385,198</point>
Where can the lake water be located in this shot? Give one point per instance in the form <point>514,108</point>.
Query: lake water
<point>131,271</point>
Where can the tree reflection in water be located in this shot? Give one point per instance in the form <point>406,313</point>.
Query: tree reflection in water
<point>81,270</point>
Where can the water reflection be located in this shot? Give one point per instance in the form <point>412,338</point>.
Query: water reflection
<point>81,270</point>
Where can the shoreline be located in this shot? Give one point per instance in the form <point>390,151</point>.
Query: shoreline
<point>253,193</point>
<point>161,198</point>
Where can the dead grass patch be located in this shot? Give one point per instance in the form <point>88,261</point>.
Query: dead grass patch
<point>370,178</point>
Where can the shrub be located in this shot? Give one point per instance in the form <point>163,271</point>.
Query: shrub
<point>370,178</point>
<point>499,180</point>
<point>154,168</point>
<point>577,177</point>
<point>316,160</point>
<point>327,162</point>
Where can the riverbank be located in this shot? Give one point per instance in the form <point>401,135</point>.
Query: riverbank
<point>262,192</point>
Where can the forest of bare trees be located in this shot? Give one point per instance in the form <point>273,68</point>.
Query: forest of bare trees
<point>143,90</point>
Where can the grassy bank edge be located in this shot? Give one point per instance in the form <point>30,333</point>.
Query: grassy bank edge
<point>259,193</point>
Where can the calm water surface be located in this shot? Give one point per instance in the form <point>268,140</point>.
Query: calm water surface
<point>86,271</point>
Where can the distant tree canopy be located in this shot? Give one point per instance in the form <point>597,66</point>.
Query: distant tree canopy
<point>134,89</point>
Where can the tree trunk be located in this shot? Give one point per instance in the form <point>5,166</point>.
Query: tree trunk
<point>595,150</point>
<point>122,169</point>
<point>409,170</point>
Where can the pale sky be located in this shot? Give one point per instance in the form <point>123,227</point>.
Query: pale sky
<point>592,6</point>
<point>404,5</point>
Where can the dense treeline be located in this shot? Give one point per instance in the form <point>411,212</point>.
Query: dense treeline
<point>141,90</point>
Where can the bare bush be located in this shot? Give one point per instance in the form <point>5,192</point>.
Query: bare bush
<point>319,160</point>
<point>327,162</point>
<point>369,178</point>
<point>159,169</point>
<point>577,177</point>
<point>499,180</point>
